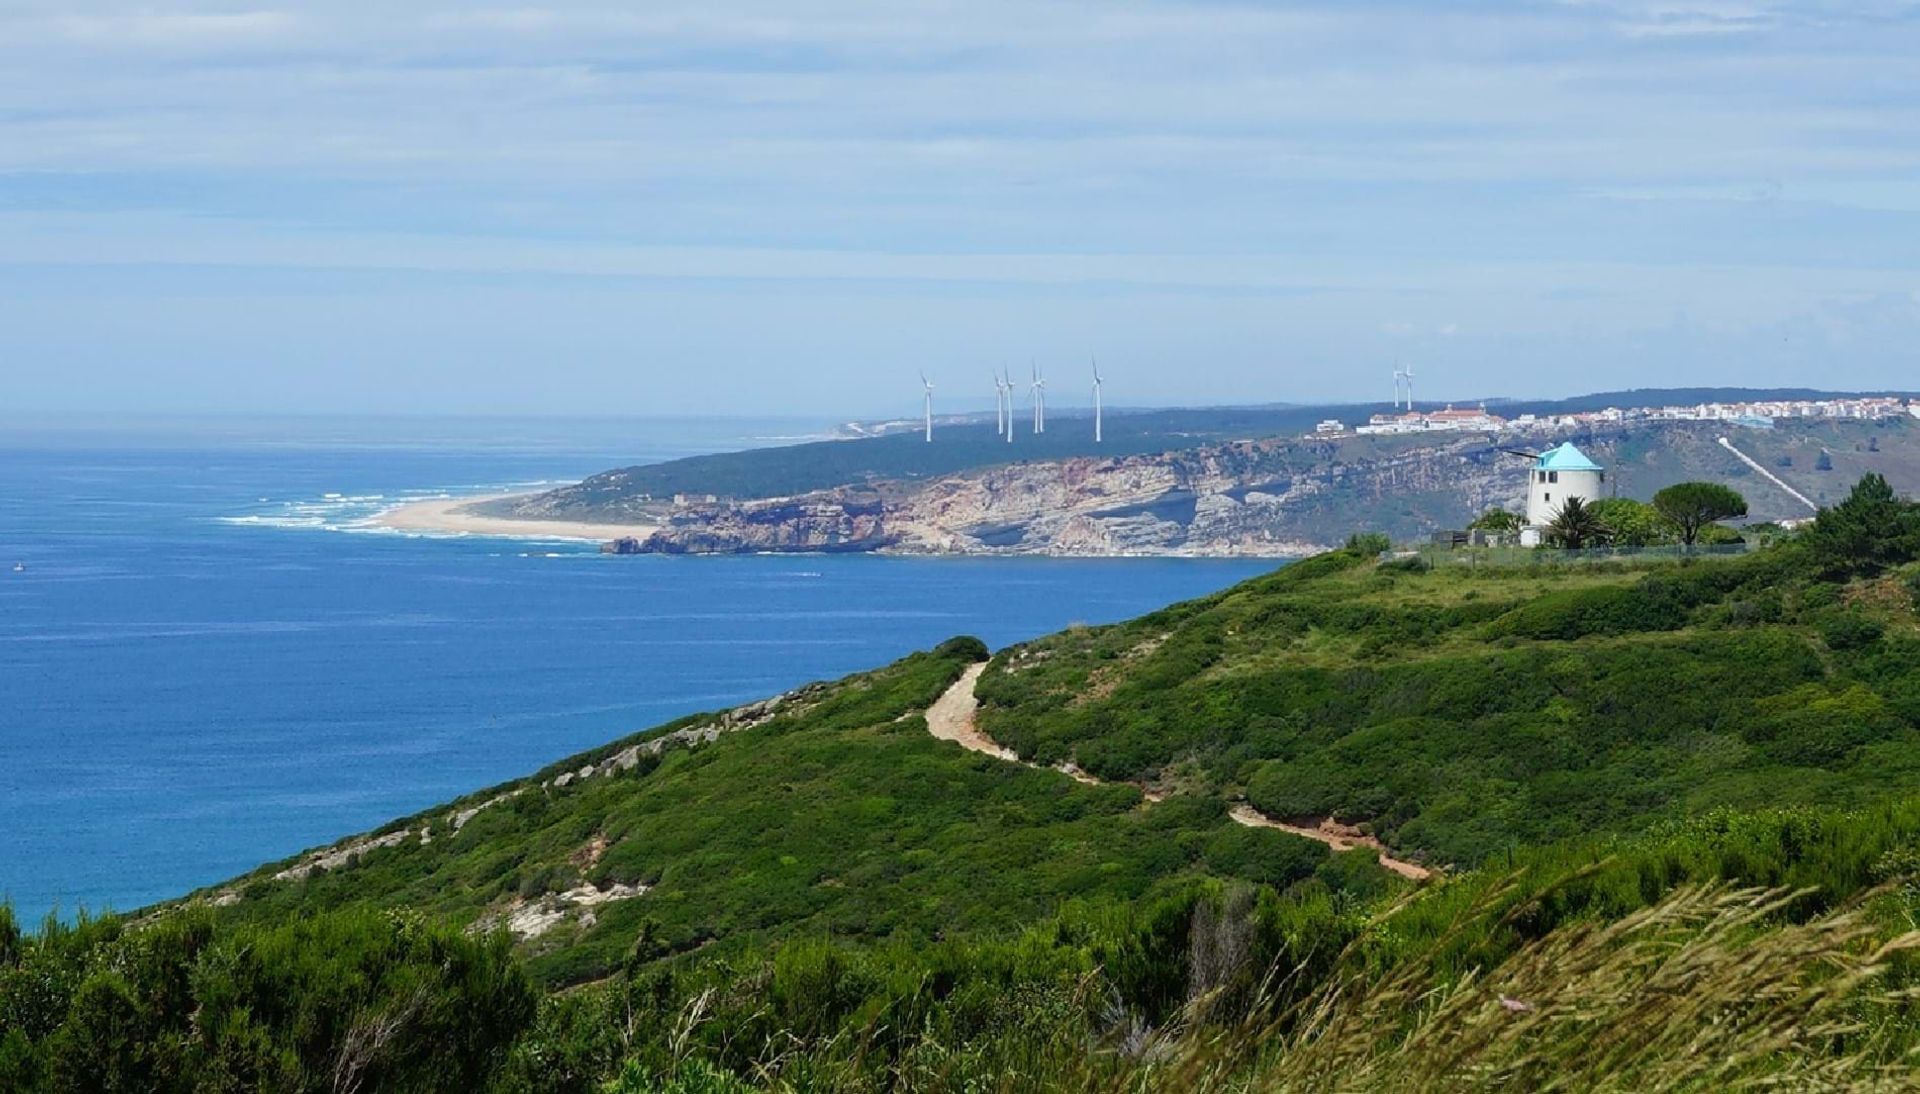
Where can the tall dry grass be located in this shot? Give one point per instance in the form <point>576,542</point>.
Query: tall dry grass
<point>1710,989</point>
<point>1706,990</point>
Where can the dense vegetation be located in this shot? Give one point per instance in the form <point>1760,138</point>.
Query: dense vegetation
<point>349,1001</point>
<point>1628,960</point>
<point>839,815</point>
<point>1461,712</point>
<point>1681,804</point>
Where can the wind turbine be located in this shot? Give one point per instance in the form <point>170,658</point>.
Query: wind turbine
<point>1407,373</point>
<point>1006,391</point>
<point>1399,378</point>
<point>1096,400</point>
<point>999,407</point>
<point>1037,391</point>
<point>924,382</point>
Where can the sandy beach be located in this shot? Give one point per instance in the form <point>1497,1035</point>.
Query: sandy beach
<point>453,516</point>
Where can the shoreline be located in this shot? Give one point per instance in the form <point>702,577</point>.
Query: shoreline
<point>452,517</point>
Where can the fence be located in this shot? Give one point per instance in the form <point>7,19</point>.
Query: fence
<point>1554,556</point>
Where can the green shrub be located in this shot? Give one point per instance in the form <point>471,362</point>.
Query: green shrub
<point>1577,613</point>
<point>964,648</point>
<point>1849,630</point>
<point>1369,543</point>
<point>357,999</point>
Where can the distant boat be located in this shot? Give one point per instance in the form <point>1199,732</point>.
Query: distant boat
<point>19,567</point>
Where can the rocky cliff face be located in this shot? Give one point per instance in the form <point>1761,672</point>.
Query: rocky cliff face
<point>1282,496</point>
<point>1256,498</point>
<point>835,520</point>
<point>1253,497</point>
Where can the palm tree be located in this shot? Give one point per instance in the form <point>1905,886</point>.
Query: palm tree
<point>1576,526</point>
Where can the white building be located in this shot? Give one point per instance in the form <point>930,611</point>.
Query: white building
<point>1435,421</point>
<point>1558,474</point>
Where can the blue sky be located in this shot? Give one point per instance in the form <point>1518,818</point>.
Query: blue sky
<point>756,205</point>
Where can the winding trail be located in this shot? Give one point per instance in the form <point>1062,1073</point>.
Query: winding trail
<point>951,718</point>
<point>1340,837</point>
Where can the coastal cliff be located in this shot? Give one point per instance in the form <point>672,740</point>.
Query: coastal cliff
<point>831,520</point>
<point>1270,497</point>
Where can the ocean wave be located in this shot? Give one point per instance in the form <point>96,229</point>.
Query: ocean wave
<point>359,513</point>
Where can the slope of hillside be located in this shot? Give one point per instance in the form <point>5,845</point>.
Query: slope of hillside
<point>1456,714</point>
<point>829,810</point>
<point>817,892</point>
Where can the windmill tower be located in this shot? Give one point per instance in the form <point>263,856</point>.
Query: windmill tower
<point>1096,401</point>
<point>1037,392</point>
<point>1006,391</point>
<point>1001,415</point>
<point>924,382</point>
<point>1557,475</point>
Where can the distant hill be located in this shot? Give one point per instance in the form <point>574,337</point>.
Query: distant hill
<point>819,465</point>
<point>1282,496</point>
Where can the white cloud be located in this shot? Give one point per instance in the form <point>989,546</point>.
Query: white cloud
<point>1517,166</point>
<point>144,29</point>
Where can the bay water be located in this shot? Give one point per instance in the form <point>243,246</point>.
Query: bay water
<point>207,661</point>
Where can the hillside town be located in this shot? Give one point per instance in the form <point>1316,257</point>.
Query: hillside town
<point>1756,415</point>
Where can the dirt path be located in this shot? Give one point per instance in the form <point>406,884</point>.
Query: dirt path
<point>1338,836</point>
<point>951,718</point>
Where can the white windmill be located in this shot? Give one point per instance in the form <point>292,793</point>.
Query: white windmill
<point>1406,374</point>
<point>924,382</point>
<point>1037,391</point>
<point>1096,401</point>
<point>1399,381</point>
<point>999,407</point>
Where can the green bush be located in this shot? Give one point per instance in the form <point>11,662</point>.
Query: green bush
<point>964,647</point>
<point>1847,630</point>
<point>363,1000</point>
<point>1369,543</point>
<point>1577,613</point>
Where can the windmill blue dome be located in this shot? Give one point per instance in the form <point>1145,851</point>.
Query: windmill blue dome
<point>1565,458</point>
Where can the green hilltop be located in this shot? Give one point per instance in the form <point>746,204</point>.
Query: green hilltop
<point>1673,811</point>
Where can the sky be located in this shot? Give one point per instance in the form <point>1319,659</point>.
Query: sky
<point>795,206</point>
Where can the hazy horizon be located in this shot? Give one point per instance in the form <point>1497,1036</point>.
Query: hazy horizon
<point>85,420</point>
<point>563,209</point>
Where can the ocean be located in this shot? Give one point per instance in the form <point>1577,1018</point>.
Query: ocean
<point>205,664</point>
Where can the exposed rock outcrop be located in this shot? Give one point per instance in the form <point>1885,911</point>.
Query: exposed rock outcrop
<point>333,858</point>
<point>832,520</point>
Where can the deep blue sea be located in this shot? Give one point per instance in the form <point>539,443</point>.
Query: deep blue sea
<point>203,666</point>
